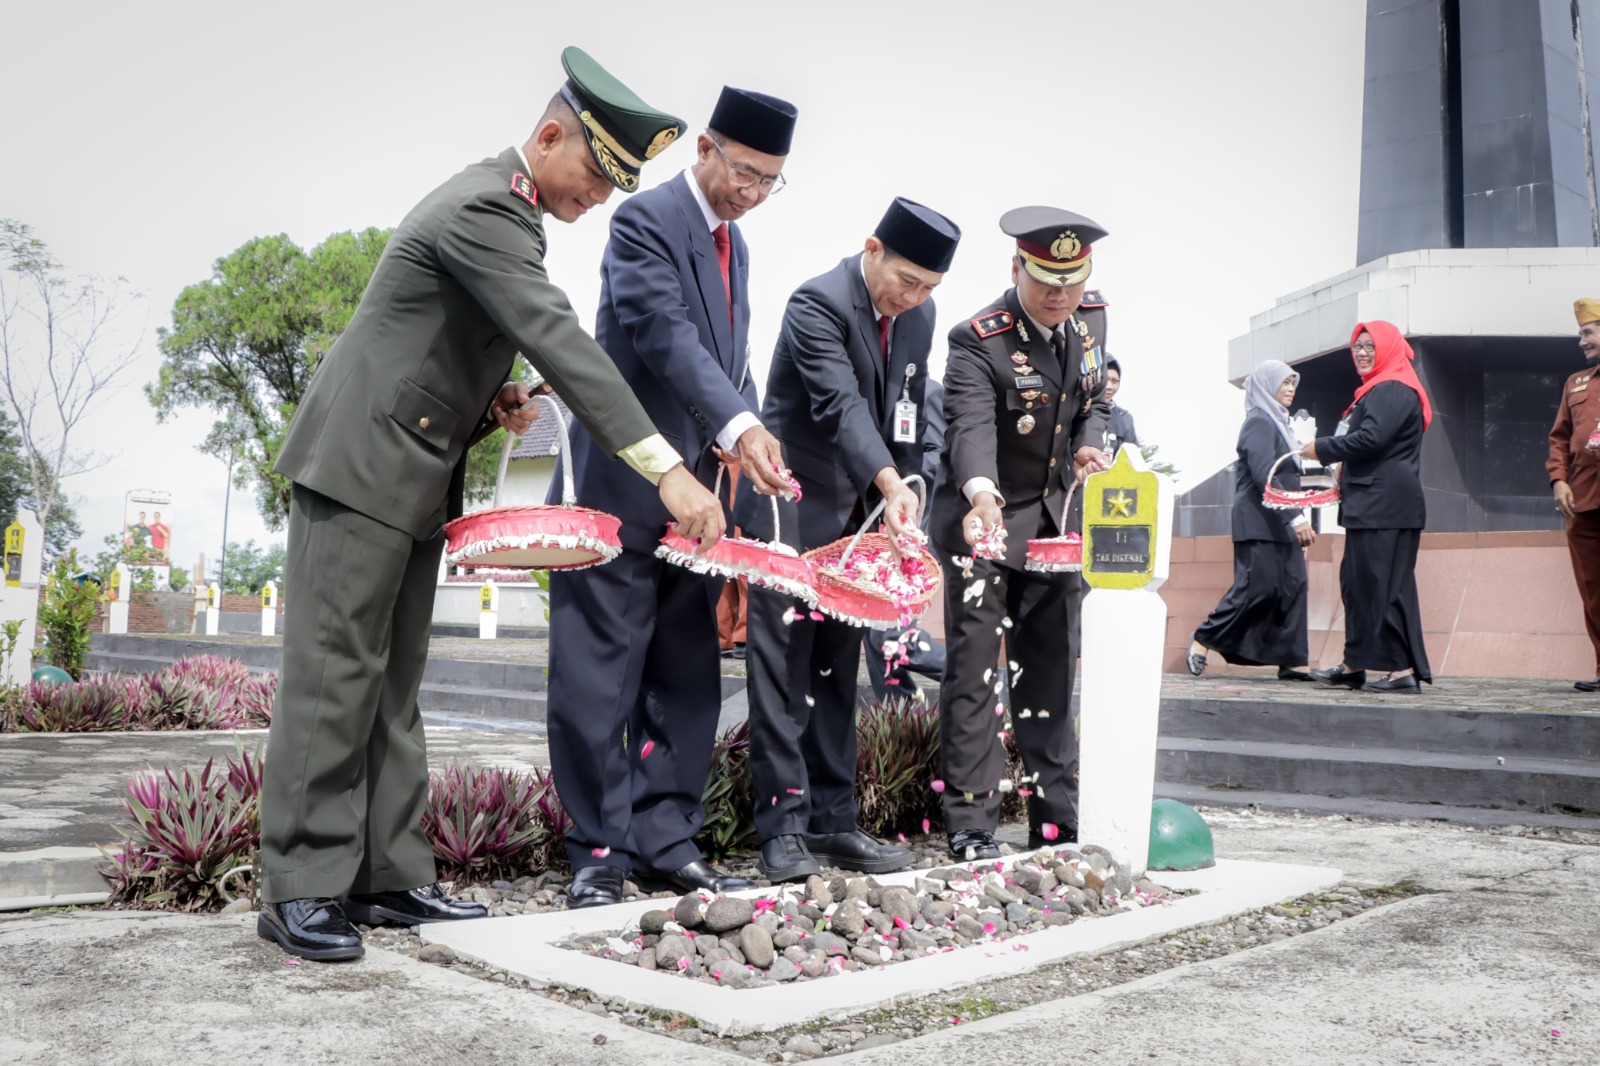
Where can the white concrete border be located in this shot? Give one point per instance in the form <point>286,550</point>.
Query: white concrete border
<point>525,945</point>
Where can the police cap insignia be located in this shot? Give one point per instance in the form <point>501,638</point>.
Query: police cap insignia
<point>991,324</point>
<point>523,187</point>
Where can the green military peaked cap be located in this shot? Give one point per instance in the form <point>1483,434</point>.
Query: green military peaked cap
<point>623,131</point>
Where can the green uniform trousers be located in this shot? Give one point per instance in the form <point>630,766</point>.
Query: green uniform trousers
<point>346,779</point>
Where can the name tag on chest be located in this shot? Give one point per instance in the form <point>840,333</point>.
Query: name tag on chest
<point>1029,381</point>
<point>905,422</point>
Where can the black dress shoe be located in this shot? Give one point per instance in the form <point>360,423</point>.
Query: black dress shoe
<point>1587,686</point>
<point>858,850</point>
<point>1339,675</point>
<point>1196,663</point>
<point>785,858</point>
<point>1289,673</point>
<point>595,886</point>
<point>426,904</point>
<point>1394,683</point>
<point>1065,834</point>
<point>315,929</point>
<point>697,875</point>
<point>971,845</point>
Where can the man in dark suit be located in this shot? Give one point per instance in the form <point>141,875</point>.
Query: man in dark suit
<point>376,452</point>
<point>846,395</point>
<point>1120,429</point>
<point>1025,400</point>
<point>635,683</point>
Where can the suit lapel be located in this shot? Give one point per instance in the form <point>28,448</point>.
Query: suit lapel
<point>707,271</point>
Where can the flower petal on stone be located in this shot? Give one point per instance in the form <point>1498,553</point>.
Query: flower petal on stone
<point>988,929</point>
<point>683,962</point>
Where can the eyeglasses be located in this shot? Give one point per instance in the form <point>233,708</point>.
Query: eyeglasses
<point>1363,349</point>
<point>745,175</point>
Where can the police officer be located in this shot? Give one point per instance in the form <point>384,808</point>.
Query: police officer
<point>1025,401</point>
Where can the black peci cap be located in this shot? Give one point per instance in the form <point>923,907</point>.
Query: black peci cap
<point>919,233</point>
<point>755,120</point>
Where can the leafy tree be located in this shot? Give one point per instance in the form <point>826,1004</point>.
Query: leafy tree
<point>65,611</point>
<point>251,567</point>
<point>16,490</point>
<point>136,552</point>
<point>243,344</point>
<point>61,349</point>
<point>1148,451</point>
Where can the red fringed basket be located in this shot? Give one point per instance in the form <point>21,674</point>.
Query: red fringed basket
<point>861,582</point>
<point>1318,490</point>
<point>1057,555</point>
<point>543,537</point>
<point>775,566</point>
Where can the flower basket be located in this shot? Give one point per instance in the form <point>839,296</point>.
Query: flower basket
<point>861,582</point>
<point>546,536</point>
<point>1318,490</point>
<point>772,565</point>
<point>1057,555</point>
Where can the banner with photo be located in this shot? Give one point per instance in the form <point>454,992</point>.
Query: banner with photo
<point>147,533</point>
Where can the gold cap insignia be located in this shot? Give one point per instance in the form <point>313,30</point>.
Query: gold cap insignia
<point>661,142</point>
<point>1066,246</point>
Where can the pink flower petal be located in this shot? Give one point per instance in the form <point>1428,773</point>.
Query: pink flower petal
<point>901,837</point>
<point>796,791</point>
<point>816,616</point>
<point>1049,830</point>
<point>601,853</point>
<point>926,825</point>
<point>901,923</point>
<point>683,962</point>
<point>649,746</point>
<point>938,785</point>
<point>988,929</point>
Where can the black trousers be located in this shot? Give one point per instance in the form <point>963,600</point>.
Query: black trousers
<point>802,690</point>
<point>1583,543</point>
<point>1042,609</point>
<point>1261,620</point>
<point>1382,618</point>
<point>346,778</point>
<point>633,661</point>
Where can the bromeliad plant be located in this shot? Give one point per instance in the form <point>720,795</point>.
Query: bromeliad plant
<point>727,798</point>
<point>201,692</point>
<point>484,823</point>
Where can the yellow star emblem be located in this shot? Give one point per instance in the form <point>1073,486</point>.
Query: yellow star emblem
<point>1122,505</point>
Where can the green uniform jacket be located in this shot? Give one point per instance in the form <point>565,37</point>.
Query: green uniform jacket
<point>460,289</point>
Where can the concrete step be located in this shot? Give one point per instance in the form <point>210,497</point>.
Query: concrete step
<point>1355,807</point>
<point>1552,734</point>
<point>463,702</point>
<point>1513,783</point>
<point>51,877</point>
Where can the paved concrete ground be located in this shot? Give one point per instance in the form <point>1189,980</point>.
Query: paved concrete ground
<point>1481,972</point>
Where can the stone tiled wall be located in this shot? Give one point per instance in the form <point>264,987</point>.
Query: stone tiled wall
<point>1493,604</point>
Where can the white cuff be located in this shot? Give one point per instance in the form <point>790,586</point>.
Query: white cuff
<point>728,439</point>
<point>1302,520</point>
<point>976,485</point>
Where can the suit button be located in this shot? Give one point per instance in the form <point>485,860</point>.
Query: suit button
<point>1052,461</point>
<point>1047,494</point>
<point>1058,431</point>
<point>423,421</point>
<point>1030,405</point>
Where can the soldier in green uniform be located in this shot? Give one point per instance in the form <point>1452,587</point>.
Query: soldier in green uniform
<point>1024,396</point>
<point>376,452</point>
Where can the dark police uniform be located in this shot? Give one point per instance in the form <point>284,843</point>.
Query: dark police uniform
<point>1019,406</point>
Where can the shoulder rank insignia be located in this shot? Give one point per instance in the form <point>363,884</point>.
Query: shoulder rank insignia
<point>993,323</point>
<point>1093,298</point>
<point>522,186</point>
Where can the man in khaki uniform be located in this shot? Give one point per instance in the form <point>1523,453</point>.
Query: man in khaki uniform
<point>1574,469</point>
<point>376,453</point>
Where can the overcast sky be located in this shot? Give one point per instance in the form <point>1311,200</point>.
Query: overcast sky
<point>1218,142</point>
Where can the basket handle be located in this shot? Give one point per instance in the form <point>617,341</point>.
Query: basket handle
<point>716,490</point>
<point>1066,504</point>
<point>569,494</point>
<point>1274,471</point>
<point>922,501</point>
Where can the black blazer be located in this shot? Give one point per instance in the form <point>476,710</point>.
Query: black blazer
<point>1261,445</point>
<point>831,401</point>
<point>1381,487</point>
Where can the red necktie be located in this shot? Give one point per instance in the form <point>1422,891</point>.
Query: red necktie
<point>724,245</point>
<point>883,337</point>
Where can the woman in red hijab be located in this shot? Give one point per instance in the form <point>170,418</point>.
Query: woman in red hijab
<point>1381,507</point>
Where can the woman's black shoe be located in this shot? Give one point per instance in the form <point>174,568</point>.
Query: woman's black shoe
<point>1196,663</point>
<point>1289,673</point>
<point>972,845</point>
<point>1340,675</point>
<point>1393,683</point>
